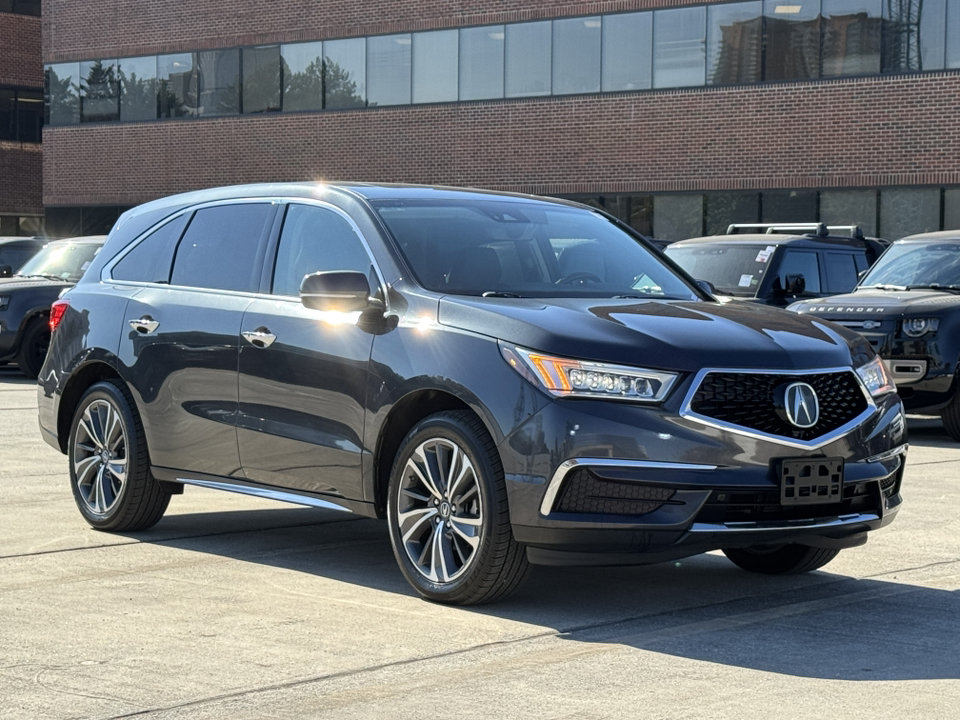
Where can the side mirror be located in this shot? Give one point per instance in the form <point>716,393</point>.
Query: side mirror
<point>796,284</point>
<point>6,271</point>
<point>337,291</point>
<point>707,286</point>
<point>861,275</point>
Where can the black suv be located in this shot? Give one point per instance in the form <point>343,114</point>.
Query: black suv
<point>25,298</point>
<point>15,251</point>
<point>781,264</point>
<point>505,379</point>
<point>908,307</point>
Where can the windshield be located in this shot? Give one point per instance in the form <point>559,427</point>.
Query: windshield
<point>906,264</point>
<point>733,269</point>
<point>61,261</point>
<point>515,249</point>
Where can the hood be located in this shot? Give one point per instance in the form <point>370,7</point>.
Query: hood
<point>686,336</point>
<point>13,283</point>
<point>880,304</point>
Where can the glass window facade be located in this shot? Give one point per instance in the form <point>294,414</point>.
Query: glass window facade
<point>576,55</point>
<point>99,91</point>
<point>388,69</point>
<point>677,217</point>
<point>62,88</point>
<point>952,58</point>
<point>138,88</point>
<point>792,39</point>
<point>852,30</point>
<point>21,115</point>
<point>20,7</point>
<point>261,79</point>
<point>345,73</point>
<point>723,209</point>
<point>951,209</point>
<point>788,205</point>
<point>627,52</point>
<point>436,58</point>
<point>905,211</point>
<point>527,59</point>
<point>912,40</point>
<point>481,62</point>
<point>301,67</point>
<point>850,207</point>
<point>735,43</point>
<point>679,47</point>
<point>219,82</point>
<point>176,85</point>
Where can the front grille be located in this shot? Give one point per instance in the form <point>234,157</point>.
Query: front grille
<point>584,492</point>
<point>747,400</point>
<point>732,506</point>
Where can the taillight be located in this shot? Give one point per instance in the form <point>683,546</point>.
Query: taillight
<point>56,313</point>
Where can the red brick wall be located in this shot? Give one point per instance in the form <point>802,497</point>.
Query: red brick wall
<point>866,132</point>
<point>20,51</point>
<point>20,186</point>
<point>80,30</point>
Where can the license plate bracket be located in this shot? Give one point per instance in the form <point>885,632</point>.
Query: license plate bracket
<point>811,481</point>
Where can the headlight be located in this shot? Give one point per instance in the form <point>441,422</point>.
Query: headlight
<point>564,377</point>
<point>918,327</point>
<point>4,301</point>
<point>876,377</point>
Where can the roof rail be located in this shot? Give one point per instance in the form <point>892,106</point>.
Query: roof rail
<point>820,229</point>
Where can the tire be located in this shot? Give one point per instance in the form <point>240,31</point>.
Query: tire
<point>951,416</point>
<point>109,464</point>
<point>33,347</point>
<point>780,559</point>
<point>453,541</point>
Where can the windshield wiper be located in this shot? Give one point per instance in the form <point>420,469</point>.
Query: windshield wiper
<point>935,286</point>
<point>41,275</point>
<point>499,293</point>
<point>881,286</point>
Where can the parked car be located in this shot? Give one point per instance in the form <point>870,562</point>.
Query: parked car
<point>15,251</point>
<point>781,264</point>
<point>507,380</point>
<point>25,298</point>
<point>908,307</point>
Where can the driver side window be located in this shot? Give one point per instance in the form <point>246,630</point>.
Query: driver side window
<point>315,239</point>
<point>801,262</point>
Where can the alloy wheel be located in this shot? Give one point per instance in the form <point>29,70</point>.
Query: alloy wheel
<point>100,456</point>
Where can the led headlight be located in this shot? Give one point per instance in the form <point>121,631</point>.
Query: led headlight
<point>876,377</point>
<point>918,327</point>
<point>565,377</point>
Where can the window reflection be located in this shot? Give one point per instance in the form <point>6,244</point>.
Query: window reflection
<point>905,211</point>
<point>913,35</point>
<point>576,55</point>
<point>627,52</point>
<point>722,209</point>
<point>734,43</point>
<point>527,59</point>
<point>99,91</point>
<point>261,79</point>
<point>435,61</point>
<point>138,88</point>
<point>219,75</point>
<point>850,207</point>
<point>302,71</point>
<point>481,62</point>
<point>953,34</point>
<point>793,39</point>
<point>176,85</point>
<point>63,93</point>
<point>851,37</point>
<point>388,70</point>
<point>679,39</point>
<point>344,73</point>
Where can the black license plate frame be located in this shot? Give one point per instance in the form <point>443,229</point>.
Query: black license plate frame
<point>811,481</point>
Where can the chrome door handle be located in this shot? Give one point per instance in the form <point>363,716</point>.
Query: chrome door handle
<point>144,325</point>
<point>261,337</point>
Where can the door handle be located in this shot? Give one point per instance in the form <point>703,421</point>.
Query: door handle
<point>144,325</point>
<point>261,337</point>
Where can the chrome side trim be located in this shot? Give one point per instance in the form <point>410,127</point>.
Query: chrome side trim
<point>785,526</point>
<point>553,487</point>
<point>890,454</point>
<point>687,413</point>
<point>266,493</point>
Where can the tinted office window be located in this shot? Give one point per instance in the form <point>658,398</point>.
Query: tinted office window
<point>176,85</point>
<point>138,88</point>
<point>99,91</point>
<point>29,114</point>
<point>679,40</point>
<point>527,59</point>
<point>63,93</point>
<point>98,220</point>
<point>952,59</point>
<point>388,70</point>
<point>261,79</point>
<point>841,272</point>
<point>851,36</point>
<point>850,207</point>
<point>793,39</point>
<point>800,262</point>
<point>627,53</point>
<point>677,217</point>
<point>219,73</point>
<point>219,249</point>
<point>150,260</point>
<point>905,211</point>
<point>20,7</point>
<point>435,66</point>
<point>734,43</point>
<point>8,115</point>
<point>62,222</point>
<point>344,73</point>
<point>907,47</point>
<point>789,206</point>
<point>315,240</point>
<point>722,209</point>
<point>951,209</point>
<point>576,55</point>
<point>302,70</point>
<point>481,62</point>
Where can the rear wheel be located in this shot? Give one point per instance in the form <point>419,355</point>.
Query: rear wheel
<point>33,347</point>
<point>447,509</point>
<point>780,559</point>
<point>109,464</point>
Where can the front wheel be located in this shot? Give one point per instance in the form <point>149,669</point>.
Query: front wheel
<point>447,510</point>
<point>33,347</point>
<point>951,416</point>
<point>780,559</point>
<point>109,464</point>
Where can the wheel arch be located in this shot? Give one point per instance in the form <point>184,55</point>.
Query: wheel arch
<point>80,381</point>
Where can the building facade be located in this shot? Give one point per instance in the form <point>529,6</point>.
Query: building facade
<point>679,117</point>
<point>21,118</point>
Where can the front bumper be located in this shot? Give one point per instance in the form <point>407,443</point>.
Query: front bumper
<point>670,488</point>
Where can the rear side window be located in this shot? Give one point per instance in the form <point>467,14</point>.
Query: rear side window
<point>219,249</point>
<point>150,260</point>
<point>315,239</point>
<point>841,272</point>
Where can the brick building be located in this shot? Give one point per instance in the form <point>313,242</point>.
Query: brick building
<point>21,118</point>
<point>677,116</point>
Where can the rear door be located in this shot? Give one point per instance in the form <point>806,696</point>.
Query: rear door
<point>180,335</point>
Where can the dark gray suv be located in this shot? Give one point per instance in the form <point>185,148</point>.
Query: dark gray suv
<point>507,380</point>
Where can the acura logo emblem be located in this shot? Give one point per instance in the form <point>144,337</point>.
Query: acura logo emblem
<point>801,405</point>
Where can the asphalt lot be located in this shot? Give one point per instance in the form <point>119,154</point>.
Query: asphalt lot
<point>234,607</point>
